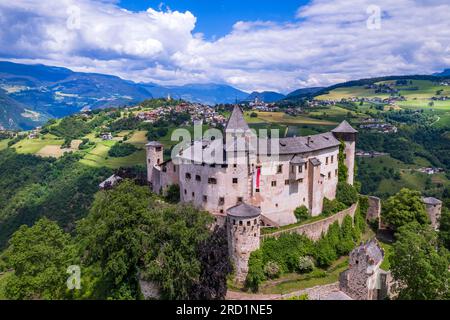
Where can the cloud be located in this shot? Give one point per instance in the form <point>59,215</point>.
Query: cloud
<point>329,42</point>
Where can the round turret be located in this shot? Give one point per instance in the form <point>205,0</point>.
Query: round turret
<point>243,224</point>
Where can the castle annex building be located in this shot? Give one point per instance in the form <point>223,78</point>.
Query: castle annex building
<point>289,173</point>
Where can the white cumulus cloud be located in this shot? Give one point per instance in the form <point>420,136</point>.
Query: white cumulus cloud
<point>328,42</point>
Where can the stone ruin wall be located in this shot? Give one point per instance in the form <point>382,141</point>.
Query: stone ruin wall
<point>374,210</point>
<point>314,230</point>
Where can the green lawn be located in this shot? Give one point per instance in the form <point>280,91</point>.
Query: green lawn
<point>388,251</point>
<point>293,281</point>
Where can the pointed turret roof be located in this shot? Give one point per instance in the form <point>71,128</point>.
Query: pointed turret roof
<point>344,127</point>
<point>237,121</point>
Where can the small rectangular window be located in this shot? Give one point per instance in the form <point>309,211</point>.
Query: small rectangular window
<point>274,183</point>
<point>329,175</point>
<point>326,160</point>
<point>300,180</point>
<point>164,169</point>
<point>286,182</point>
<point>240,199</point>
<point>198,178</point>
<point>193,194</point>
<point>235,180</point>
<point>280,169</point>
<point>300,169</point>
<point>188,176</point>
<point>257,190</point>
<point>221,201</point>
<point>205,198</point>
<point>332,159</point>
<point>212,181</point>
<point>336,172</point>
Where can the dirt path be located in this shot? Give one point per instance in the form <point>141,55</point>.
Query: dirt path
<point>314,293</point>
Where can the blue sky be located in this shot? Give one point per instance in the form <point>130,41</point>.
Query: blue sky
<point>276,45</point>
<point>215,18</point>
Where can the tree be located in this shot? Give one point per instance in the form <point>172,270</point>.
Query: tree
<point>419,265</point>
<point>444,229</point>
<point>255,271</point>
<point>39,256</point>
<point>116,233</point>
<point>172,259</point>
<point>301,213</point>
<point>404,207</point>
<point>346,193</point>
<point>215,267</point>
<point>128,233</point>
<point>325,253</point>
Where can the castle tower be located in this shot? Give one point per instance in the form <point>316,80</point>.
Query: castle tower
<point>434,210</point>
<point>243,225</point>
<point>239,139</point>
<point>155,151</point>
<point>346,133</point>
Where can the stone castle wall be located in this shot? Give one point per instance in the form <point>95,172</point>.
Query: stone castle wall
<point>374,210</point>
<point>314,230</point>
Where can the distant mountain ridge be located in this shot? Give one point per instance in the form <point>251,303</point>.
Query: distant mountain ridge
<point>265,96</point>
<point>56,92</point>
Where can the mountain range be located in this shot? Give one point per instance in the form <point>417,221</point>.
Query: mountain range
<point>32,94</point>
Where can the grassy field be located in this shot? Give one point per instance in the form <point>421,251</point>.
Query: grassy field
<point>415,99</point>
<point>98,157</point>
<point>35,145</point>
<point>388,251</point>
<point>408,177</point>
<point>282,118</point>
<point>4,144</point>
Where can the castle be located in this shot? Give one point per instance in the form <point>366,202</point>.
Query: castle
<point>252,181</point>
<point>304,172</point>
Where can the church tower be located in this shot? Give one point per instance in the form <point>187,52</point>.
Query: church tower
<point>345,132</point>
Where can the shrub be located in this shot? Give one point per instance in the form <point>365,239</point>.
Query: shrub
<point>272,270</point>
<point>253,115</point>
<point>305,264</point>
<point>301,213</point>
<point>346,193</point>
<point>331,207</point>
<point>173,194</point>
